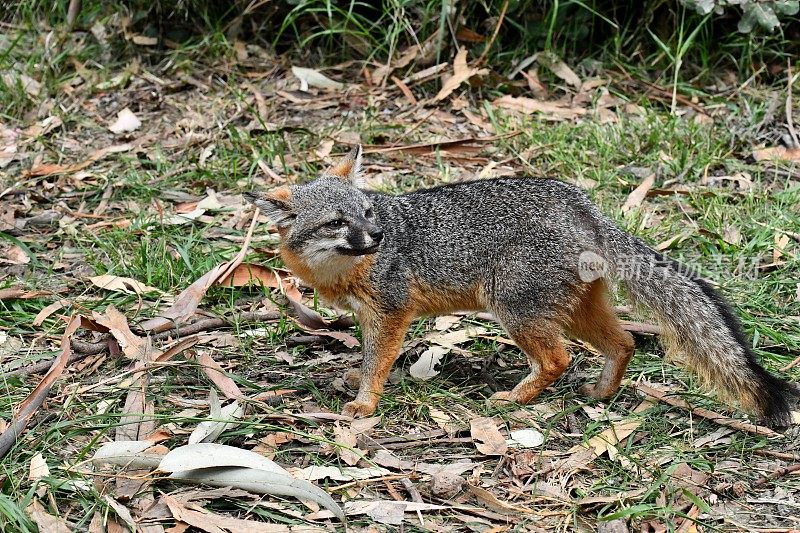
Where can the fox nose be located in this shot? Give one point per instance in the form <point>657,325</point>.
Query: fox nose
<point>376,235</point>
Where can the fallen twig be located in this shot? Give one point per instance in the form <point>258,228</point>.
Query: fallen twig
<point>36,398</point>
<point>778,455</point>
<point>706,413</point>
<point>789,121</point>
<point>488,46</point>
<point>778,473</point>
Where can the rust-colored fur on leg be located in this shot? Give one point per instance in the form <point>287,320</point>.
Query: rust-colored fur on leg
<point>548,360</point>
<point>383,338</point>
<point>595,322</point>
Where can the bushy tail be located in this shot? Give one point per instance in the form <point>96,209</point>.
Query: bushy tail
<point>701,327</point>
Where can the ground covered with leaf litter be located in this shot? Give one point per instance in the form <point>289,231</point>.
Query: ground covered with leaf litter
<point>133,270</point>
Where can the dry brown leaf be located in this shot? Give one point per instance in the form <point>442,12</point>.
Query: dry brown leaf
<point>493,503</point>
<point>528,106</point>
<point>44,520</point>
<point>34,400</point>
<point>347,448</point>
<point>538,88</point>
<point>43,315</point>
<point>133,346</point>
<point>637,196</point>
<point>188,300</point>
<point>781,240</point>
<point>16,256</point>
<point>405,90</point>
<point>488,439</point>
<point>777,153</point>
<point>389,460</point>
<point>560,69</point>
<point>38,468</point>
<point>49,169</point>
<point>121,284</point>
<point>8,145</point>
<point>217,375</point>
<point>469,35</point>
<point>143,40</point>
<point>205,520</point>
<point>122,512</point>
<point>11,293</point>
<point>423,368</point>
<point>461,73</point>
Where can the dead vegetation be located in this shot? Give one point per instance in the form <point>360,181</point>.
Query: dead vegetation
<point>145,314</point>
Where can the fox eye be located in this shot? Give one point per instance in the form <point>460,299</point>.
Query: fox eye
<point>338,223</point>
<point>369,213</point>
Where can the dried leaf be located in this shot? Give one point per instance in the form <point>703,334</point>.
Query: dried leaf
<point>560,69</point>
<point>222,419</point>
<point>128,453</point>
<point>781,240</point>
<point>423,368</point>
<point>637,196</point>
<point>453,338</point>
<point>143,40</point>
<point>461,73</point>
<point>16,256</point>
<point>44,520</point>
<point>493,503</point>
<point>777,153</point>
<point>226,466</point>
<point>34,400</point>
<point>348,473</point>
<point>205,520</point>
<point>133,346</point>
<point>526,438</point>
<point>43,315</point>
<point>8,145</point>
<point>553,110</point>
<point>122,512</point>
<point>49,169</point>
<point>121,284</point>
<point>38,468</point>
<point>347,448</point>
<point>488,439</point>
<point>126,122</point>
<point>389,460</point>
<point>188,300</point>
<point>217,375</point>
<point>313,78</point>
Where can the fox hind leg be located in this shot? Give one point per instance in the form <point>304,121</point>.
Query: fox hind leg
<point>540,340</point>
<point>595,322</point>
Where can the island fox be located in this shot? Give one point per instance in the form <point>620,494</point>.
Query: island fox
<point>535,252</point>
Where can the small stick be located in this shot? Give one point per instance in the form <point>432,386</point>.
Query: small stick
<point>485,52</point>
<point>789,121</point>
<point>779,455</point>
<point>706,413</point>
<point>778,473</point>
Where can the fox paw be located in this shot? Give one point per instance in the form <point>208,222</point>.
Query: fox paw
<point>591,391</point>
<point>358,409</point>
<point>502,397</point>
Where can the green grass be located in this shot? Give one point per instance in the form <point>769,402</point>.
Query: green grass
<point>170,257</point>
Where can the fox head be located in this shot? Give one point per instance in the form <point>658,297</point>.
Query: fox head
<point>327,219</point>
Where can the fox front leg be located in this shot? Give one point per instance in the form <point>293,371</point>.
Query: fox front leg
<point>383,336</point>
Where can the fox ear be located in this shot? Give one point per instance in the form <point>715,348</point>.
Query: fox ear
<point>276,204</point>
<point>348,169</point>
